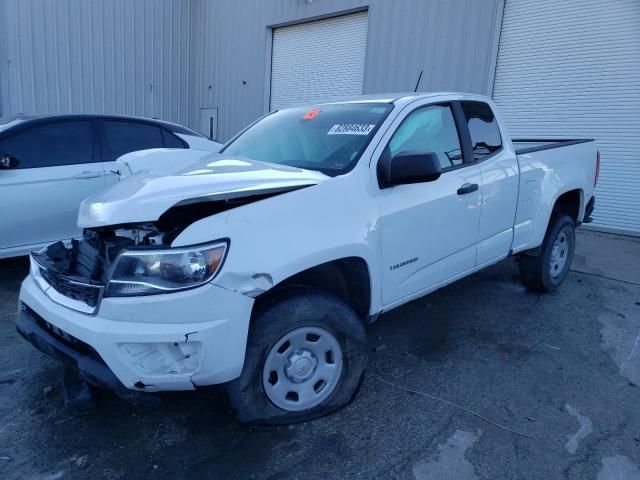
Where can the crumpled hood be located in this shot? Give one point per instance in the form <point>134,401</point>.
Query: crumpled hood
<point>158,161</point>
<point>145,196</point>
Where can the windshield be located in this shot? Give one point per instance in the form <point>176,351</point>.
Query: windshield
<point>327,138</point>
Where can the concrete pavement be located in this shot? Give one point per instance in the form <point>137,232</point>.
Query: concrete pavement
<point>510,385</point>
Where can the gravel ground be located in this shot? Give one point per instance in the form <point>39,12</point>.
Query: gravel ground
<point>514,385</point>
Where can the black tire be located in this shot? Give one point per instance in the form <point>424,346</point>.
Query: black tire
<point>247,395</point>
<point>535,271</point>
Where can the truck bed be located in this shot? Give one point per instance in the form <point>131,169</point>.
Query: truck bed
<point>529,145</point>
<point>548,169</point>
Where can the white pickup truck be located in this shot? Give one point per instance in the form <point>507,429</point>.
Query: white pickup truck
<point>260,266</point>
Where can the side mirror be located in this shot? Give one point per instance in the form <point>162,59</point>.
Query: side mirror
<point>8,161</point>
<point>408,167</point>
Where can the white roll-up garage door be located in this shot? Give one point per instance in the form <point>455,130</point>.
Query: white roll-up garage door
<point>318,60</point>
<point>572,69</point>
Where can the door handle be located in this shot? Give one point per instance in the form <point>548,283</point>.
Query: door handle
<point>467,188</point>
<point>88,174</point>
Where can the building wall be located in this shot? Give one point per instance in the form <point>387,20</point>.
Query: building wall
<point>171,58</point>
<point>453,41</point>
<point>572,69</point>
<point>94,56</point>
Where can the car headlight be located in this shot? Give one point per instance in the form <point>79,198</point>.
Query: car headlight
<point>148,272</point>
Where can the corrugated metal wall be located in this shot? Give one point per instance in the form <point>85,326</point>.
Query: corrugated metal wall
<point>572,69</point>
<point>171,58</point>
<point>116,56</point>
<point>451,40</point>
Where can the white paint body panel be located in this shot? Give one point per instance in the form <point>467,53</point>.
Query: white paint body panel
<point>147,195</point>
<point>544,176</point>
<point>330,218</point>
<point>499,194</point>
<point>436,226</point>
<point>222,336</point>
<point>157,161</point>
<point>40,205</point>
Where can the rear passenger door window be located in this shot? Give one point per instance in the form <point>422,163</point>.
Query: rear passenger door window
<point>483,128</point>
<point>125,137</point>
<point>56,144</point>
<point>429,129</point>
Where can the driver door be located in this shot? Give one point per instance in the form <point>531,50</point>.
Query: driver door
<point>429,230</point>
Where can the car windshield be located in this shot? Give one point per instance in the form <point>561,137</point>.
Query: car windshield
<point>327,138</point>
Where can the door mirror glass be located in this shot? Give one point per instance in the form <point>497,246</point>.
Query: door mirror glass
<point>411,167</point>
<point>415,167</point>
<point>8,161</point>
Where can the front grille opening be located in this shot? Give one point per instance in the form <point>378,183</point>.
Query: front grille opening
<point>88,294</point>
<point>79,271</point>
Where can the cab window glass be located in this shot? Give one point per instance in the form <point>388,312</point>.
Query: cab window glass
<point>429,129</point>
<point>483,128</point>
<point>125,137</point>
<point>67,143</point>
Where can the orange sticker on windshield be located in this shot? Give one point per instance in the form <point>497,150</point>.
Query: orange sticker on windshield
<point>311,114</point>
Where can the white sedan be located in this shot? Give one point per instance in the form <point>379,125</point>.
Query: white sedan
<point>49,164</point>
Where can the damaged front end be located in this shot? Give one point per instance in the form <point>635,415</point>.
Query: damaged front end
<point>137,258</point>
<point>173,342</point>
<point>127,260</point>
<point>180,341</point>
<point>129,229</point>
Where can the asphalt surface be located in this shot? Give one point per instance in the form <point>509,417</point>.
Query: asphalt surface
<point>518,386</point>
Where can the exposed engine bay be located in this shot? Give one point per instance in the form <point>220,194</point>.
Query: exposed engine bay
<point>92,257</point>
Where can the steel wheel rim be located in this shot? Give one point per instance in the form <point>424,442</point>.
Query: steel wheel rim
<point>302,368</point>
<point>559,254</point>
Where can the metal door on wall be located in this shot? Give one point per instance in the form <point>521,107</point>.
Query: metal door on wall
<point>318,60</point>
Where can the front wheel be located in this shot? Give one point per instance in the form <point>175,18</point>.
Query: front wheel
<point>306,357</point>
<point>546,271</point>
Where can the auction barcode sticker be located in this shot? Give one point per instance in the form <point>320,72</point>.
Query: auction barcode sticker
<point>351,129</point>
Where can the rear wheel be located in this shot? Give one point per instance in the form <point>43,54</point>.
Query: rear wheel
<point>305,358</point>
<point>546,271</point>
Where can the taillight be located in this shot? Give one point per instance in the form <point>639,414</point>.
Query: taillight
<point>595,180</point>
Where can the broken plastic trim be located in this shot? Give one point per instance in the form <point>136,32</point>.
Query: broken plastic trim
<point>249,283</point>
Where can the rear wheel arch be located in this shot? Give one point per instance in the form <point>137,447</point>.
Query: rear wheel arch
<point>569,203</point>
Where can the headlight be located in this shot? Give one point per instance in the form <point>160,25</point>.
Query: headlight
<point>147,272</point>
